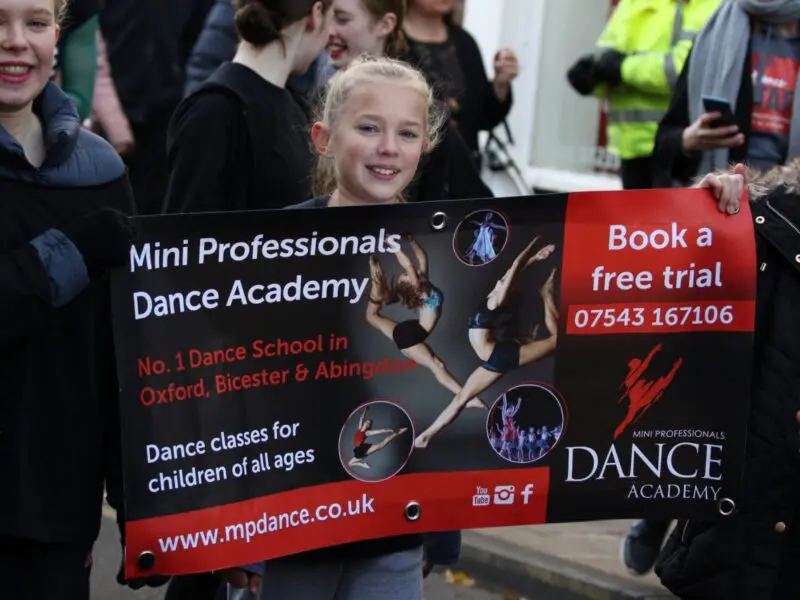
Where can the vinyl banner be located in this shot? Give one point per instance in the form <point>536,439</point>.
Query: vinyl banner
<point>299,379</point>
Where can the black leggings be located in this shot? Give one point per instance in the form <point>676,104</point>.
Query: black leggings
<point>201,586</point>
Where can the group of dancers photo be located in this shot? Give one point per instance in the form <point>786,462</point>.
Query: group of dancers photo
<point>516,444</point>
<point>491,335</point>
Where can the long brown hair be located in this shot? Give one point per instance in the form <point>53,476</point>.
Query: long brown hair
<point>396,43</point>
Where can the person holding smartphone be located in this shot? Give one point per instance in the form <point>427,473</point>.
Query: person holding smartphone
<point>735,101</point>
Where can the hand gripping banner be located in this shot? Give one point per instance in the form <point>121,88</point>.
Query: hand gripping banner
<point>298,379</point>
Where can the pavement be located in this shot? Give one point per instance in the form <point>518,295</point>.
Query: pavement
<point>572,561</point>
<point>580,559</point>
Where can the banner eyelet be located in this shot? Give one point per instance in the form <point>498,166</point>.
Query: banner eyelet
<point>760,220</point>
<point>726,507</point>
<point>412,511</point>
<point>146,561</point>
<point>439,220</point>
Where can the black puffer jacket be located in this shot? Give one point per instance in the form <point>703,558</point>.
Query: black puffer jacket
<point>755,554</point>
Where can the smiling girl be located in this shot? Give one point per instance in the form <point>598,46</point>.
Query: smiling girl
<point>64,196</point>
<point>379,119</point>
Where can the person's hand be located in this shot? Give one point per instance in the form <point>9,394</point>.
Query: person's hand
<point>727,189</point>
<point>241,579</point>
<point>125,147</point>
<point>103,237</point>
<point>152,581</point>
<point>506,69</point>
<point>609,67</point>
<point>699,136</point>
<point>583,76</point>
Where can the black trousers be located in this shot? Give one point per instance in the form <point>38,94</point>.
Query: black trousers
<point>637,173</point>
<point>31,570</point>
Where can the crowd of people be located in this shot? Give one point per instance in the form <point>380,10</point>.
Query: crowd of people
<point>111,108</point>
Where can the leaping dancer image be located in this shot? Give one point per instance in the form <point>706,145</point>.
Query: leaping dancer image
<point>362,449</point>
<point>500,356</point>
<point>414,290</point>
<point>482,246</point>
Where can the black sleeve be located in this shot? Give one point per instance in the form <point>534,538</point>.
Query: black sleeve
<point>206,144</point>
<point>106,380</point>
<point>670,161</point>
<point>493,110</point>
<point>25,296</point>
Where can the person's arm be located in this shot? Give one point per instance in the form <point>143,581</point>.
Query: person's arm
<point>206,145</point>
<point>494,109</point>
<point>106,106</point>
<point>653,72</point>
<point>78,65</point>
<point>671,162</point>
<point>53,268</point>
<point>408,267</point>
<point>420,255</point>
<point>215,45</point>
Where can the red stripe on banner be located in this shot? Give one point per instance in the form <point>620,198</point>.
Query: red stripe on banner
<point>333,514</point>
<point>661,317</point>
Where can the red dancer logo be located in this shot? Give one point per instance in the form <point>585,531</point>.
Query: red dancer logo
<point>641,393</point>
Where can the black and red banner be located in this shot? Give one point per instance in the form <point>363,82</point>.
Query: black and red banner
<point>299,379</point>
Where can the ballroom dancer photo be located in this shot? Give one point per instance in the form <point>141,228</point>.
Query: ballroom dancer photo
<point>498,353</point>
<point>414,290</point>
<point>362,449</point>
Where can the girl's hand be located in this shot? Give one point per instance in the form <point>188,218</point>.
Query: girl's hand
<point>506,69</point>
<point>727,189</point>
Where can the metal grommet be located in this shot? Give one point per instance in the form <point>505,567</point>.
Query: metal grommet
<point>780,527</point>
<point>439,220</point>
<point>146,561</point>
<point>760,220</point>
<point>797,258</point>
<point>726,507</point>
<point>412,511</point>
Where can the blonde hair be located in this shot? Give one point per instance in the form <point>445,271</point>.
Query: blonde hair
<point>363,70</point>
<point>60,10</point>
<point>761,184</point>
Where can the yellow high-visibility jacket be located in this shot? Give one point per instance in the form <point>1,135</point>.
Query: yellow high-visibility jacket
<point>656,36</point>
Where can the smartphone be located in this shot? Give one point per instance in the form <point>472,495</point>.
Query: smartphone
<point>722,106</point>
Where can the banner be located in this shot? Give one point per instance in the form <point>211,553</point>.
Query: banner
<point>299,379</point>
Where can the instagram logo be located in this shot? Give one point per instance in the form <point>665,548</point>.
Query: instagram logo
<point>504,494</point>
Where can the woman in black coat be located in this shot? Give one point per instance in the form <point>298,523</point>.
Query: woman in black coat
<point>755,553</point>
